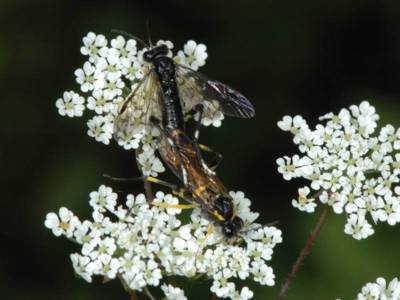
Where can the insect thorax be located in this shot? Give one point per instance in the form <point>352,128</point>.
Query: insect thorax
<point>165,68</point>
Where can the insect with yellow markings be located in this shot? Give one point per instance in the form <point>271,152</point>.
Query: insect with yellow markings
<point>165,89</point>
<point>201,185</point>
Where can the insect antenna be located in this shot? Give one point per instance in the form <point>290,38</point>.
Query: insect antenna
<point>148,31</point>
<point>258,226</point>
<point>130,35</point>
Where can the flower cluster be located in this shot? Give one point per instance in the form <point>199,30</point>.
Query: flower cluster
<point>350,167</point>
<point>380,291</point>
<point>143,244</point>
<point>109,77</point>
<point>112,71</point>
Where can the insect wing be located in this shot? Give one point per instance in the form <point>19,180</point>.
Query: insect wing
<point>195,88</point>
<point>139,106</point>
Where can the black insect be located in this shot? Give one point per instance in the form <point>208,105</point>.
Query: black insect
<point>168,92</point>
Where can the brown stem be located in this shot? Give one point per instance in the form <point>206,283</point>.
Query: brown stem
<point>132,295</point>
<point>300,259</point>
<point>149,191</point>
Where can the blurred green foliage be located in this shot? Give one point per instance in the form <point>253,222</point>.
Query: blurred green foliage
<point>288,57</point>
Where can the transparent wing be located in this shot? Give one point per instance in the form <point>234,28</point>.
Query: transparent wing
<point>170,157</point>
<point>195,88</point>
<point>139,106</point>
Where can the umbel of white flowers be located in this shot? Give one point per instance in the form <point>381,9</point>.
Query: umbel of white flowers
<point>144,244</point>
<point>349,165</point>
<point>379,290</point>
<point>110,74</point>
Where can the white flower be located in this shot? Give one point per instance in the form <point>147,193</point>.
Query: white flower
<point>132,68</point>
<point>185,241</point>
<point>166,201</point>
<point>212,117</point>
<point>124,51</point>
<point>167,43</point>
<point>263,273</point>
<point>113,87</point>
<point>245,294</point>
<point>242,205</point>
<point>142,243</point>
<point>380,291</point>
<point>71,105</point>
<point>83,233</point>
<point>173,293</point>
<point>194,55</point>
<point>351,167</point>
<point>104,249</point>
<point>92,44</point>
<point>392,290</point>
<point>80,264</point>
<point>292,167</point>
<point>99,103</point>
<point>103,199</point>
<point>109,66</point>
<point>150,164</point>
<point>63,223</point>
<point>101,128</point>
<point>302,202</point>
<point>132,141</point>
<point>369,292</point>
<point>358,227</point>
<point>292,124</point>
<point>390,212</point>
<point>211,114</point>
<point>112,66</point>
<point>109,266</point>
<point>152,273</point>
<point>221,287</point>
<point>85,77</point>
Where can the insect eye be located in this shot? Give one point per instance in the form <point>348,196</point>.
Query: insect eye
<point>148,56</point>
<point>163,49</point>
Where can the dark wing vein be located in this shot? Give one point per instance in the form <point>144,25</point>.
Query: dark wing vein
<point>195,88</point>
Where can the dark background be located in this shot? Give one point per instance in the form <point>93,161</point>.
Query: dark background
<point>288,57</point>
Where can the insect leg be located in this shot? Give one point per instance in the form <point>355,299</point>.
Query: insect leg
<point>177,206</point>
<point>181,193</point>
<point>216,160</point>
<point>196,113</point>
<point>198,109</point>
<point>144,178</point>
<point>175,191</point>
<point>172,186</point>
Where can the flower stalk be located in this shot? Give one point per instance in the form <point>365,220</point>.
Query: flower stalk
<point>303,253</point>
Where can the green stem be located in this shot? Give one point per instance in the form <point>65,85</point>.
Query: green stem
<point>148,294</point>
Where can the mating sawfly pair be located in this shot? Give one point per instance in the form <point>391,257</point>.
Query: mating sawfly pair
<point>166,94</point>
